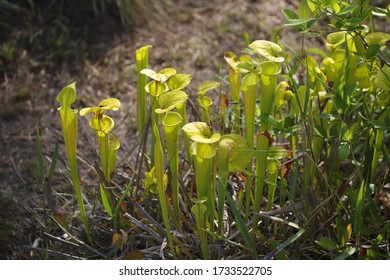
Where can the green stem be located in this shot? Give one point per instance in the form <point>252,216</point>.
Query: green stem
<point>199,210</point>
<point>182,110</point>
<point>378,146</point>
<point>161,186</point>
<point>235,84</point>
<point>262,148</point>
<point>250,85</point>
<point>268,84</point>
<point>272,167</point>
<point>223,173</point>
<point>171,124</point>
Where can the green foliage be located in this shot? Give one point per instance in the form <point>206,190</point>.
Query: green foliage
<point>311,139</point>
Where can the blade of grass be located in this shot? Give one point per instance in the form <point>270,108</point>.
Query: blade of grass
<point>53,164</point>
<point>240,224</point>
<point>286,243</point>
<point>349,251</point>
<point>41,167</point>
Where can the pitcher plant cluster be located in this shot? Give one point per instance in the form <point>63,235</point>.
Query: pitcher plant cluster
<point>285,128</point>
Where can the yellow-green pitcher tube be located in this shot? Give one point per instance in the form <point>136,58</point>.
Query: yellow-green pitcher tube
<point>203,160</point>
<point>199,211</point>
<point>249,89</point>
<point>262,148</point>
<point>161,185</point>
<point>142,63</point>
<point>223,174</point>
<point>104,156</point>
<point>182,110</point>
<point>171,125</point>
<point>205,102</point>
<point>235,74</point>
<point>67,97</point>
<point>268,83</point>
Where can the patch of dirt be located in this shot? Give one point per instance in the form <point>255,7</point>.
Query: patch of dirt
<point>192,40</point>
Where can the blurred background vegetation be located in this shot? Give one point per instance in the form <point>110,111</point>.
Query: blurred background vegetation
<point>54,31</point>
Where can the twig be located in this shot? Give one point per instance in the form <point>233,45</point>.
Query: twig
<point>61,240</point>
<point>51,252</point>
<point>149,218</point>
<point>144,227</point>
<point>83,244</point>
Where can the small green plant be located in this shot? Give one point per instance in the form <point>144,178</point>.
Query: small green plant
<point>108,145</point>
<point>67,97</point>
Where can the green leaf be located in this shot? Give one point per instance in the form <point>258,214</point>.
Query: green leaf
<point>198,209</point>
<point>303,9</point>
<point>106,104</point>
<point>249,79</point>
<point>380,12</point>
<point>105,201</point>
<point>372,51</point>
<point>329,117</point>
<point>290,240</point>
<point>383,78</point>
<point>379,125</point>
<point>336,38</point>
<point>230,58</point>
<point>347,252</point>
<point>200,132</point>
<point>155,88</point>
<point>277,152</point>
<point>312,6</point>
<point>344,150</point>
<point>167,73</point>
<point>319,131</point>
<point>383,98</point>
<point>67,96</point>
<point>179,81</point>
<point>150,73</point>
<point>103,125</point>
<point>269,50</point>
<point>207,86</point>
<point>289,14</point>
<point>205,101</point>
<point>271,120</point>
<point>347,9</point>
<point>318,52</point>
<point>300,22</point>
<point>280,92</point>
<point>239,153</point>
<point>203,150</point>
<point>246,66</point>
<point>377,38</point>
<point>327,243</point>
<point>170,100</point>
<point>161,76</point>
